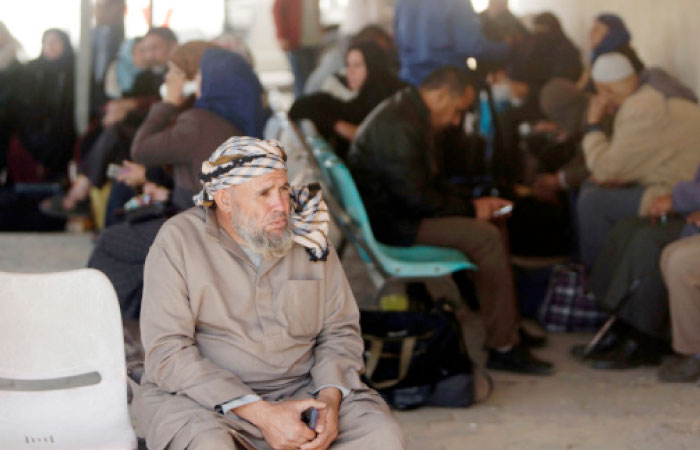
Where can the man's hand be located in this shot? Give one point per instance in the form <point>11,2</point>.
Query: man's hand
<point>281,423</point>
<point>694,219</point>
<point>132,174</point>
<point>598,108</point>
<point>661,205</point>
<point>346,129</point>
<point>546,187</point>
<point>174,83</point>
<point>284,45</point>
<point>327,426</point>
<point>545,126</point>
<point>157,193</point>
<point>486,206</point>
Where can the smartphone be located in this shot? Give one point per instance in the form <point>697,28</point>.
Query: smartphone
<point>310,417</point>
<point>503,211</point>
<point>113,171</point>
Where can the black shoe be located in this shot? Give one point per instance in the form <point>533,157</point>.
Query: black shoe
<point>53,207</point>
<point>681,369</point>
<point>518,360</point>
<point>627,354</point>
<point>531,340</point>
<point>610,340</point>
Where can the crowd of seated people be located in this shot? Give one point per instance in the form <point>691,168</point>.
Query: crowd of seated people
<point>614,146</point>
<point>108,142</point>
<point>616,141</point>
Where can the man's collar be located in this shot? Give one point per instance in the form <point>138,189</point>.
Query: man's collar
<point>414,95</point>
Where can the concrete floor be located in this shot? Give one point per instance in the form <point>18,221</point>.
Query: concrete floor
<point>577,408</point>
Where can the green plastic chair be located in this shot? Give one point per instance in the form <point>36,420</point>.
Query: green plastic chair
<point>403,263</point>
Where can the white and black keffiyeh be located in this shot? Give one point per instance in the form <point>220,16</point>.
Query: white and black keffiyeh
<point>310,220</point>
<point>240,159</point>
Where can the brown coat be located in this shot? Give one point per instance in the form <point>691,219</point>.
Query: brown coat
<point>183,141</point>
<point>655,143</point>
<point>215,327</point>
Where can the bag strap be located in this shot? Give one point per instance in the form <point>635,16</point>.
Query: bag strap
<point>375,352</point>
<point>408,344</point>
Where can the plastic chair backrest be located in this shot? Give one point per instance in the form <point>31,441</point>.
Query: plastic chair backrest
<point>344,187</point>
<point>62,367</point>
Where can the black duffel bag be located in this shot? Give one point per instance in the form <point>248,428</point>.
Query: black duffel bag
<point>417,359</point>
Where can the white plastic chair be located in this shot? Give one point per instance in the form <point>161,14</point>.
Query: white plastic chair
<point>62,369</point>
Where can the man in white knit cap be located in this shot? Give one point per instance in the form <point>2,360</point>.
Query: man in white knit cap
<point>248,320</point>
<point>655,143</point>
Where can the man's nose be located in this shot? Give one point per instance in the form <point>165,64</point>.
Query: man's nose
<point>281,201</point>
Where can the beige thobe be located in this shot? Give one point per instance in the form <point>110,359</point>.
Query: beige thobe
<point>215,327</point>
<point>655,143</point>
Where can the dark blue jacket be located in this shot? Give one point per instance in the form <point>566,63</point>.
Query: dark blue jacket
<point>433,33</point>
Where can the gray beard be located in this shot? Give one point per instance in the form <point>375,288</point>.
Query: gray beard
<point>268,245</point>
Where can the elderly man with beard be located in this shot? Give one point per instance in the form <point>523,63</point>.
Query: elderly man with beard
<point>248,320</point>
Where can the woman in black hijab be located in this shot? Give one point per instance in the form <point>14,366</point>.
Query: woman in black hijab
<point>554,50</point>
<point>45,104</point>
<point>369,74</point>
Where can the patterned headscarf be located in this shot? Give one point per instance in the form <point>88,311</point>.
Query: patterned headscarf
<point>242,158</point>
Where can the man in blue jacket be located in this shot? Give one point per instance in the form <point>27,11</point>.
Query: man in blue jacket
<point>436,33</point>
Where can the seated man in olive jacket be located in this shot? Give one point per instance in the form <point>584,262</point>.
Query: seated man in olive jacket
<point>391,160</point>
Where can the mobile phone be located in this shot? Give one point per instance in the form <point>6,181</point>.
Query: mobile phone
<point>113,171</point>
<point>310,417</point>
<point>503,211</point>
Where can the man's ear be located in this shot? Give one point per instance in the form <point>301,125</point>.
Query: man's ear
<point>223,200</point>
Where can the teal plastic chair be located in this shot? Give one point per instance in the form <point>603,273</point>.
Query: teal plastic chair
<point>403,263</point>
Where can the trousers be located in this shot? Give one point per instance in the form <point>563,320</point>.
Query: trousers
<point>681,272</point>
<point>482,242</point>
<point>599,209</point>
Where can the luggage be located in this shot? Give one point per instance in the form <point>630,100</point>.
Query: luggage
<point>417,358</point>
<point>567,307</point>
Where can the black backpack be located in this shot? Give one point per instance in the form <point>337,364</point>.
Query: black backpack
<point>417,358</point>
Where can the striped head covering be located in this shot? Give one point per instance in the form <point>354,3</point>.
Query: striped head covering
<point>242,158</point>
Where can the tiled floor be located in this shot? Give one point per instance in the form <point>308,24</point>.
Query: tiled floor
<point>577,408</point>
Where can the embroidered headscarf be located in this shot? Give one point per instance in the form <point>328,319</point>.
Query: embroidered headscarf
<point>242,158</point>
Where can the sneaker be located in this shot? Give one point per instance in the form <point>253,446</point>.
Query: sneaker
<point>627,354</point>
<point>53,207</point>
<point>518,360</point>
<point>683,369</point>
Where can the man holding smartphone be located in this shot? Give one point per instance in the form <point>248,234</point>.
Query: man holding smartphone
<point>391,160</point>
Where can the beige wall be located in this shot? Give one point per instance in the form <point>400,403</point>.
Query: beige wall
<point>665,33</point>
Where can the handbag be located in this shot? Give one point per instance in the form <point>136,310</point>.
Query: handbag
<point>567,307</point>
<point>415,358</point>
